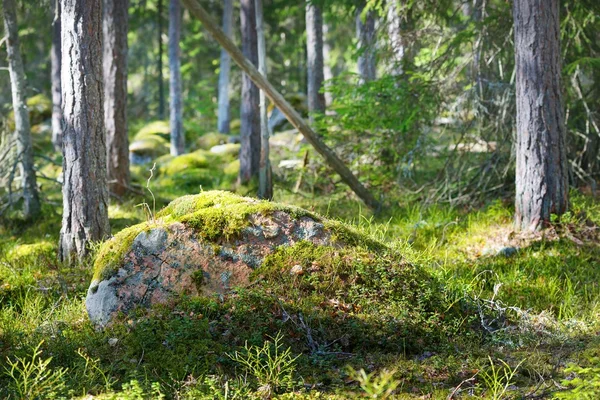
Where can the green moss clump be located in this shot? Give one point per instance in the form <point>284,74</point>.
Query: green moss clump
<point>154,128</point>
<point>150,145</point>
<point>208,140</point>
<point>186,162</point>
<point>28,252</point>
<point>112,252</point>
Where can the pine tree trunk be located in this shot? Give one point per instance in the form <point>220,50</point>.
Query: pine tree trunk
<point>175,96</point>
<point>161,83</point>
<point>115,94</point>
<point>365,32</point>
<point>265,181</point>
<point>31,201</point>
<point>85,190</point>
<point>225,68</point>
<point>541,176</point>
<point>314,52</point>
<point>249,113</point>
<point>55,80</point>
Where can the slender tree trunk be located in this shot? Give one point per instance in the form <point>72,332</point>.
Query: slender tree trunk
<point>249,113</point>
<point>314,52</point>
<point>225,68</point>
<point>161,83</point>
<point>85,190</point>
<point>175,96</point>
<point>541,176</point>
<point>365,32</point>
<point>115,94</point>
<point>395,37</point>
<point>292,115</point>
<point>31,201</point>
<point>327,72</point>
<point>265,181</point>
<point>55,80</point>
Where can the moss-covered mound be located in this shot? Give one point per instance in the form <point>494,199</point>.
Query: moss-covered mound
<point>269,263</point>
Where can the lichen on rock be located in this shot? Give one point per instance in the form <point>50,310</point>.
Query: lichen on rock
<point>204,244</point>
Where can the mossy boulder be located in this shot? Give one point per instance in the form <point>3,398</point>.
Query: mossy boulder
<point>221,234</point>
<point>209,140</point>
<point>154,128</point>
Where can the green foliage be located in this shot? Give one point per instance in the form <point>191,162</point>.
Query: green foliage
<point>498,378</point>
<point>33,378</point>
<point>271,364</point>
<point>379,125</point>
<point>585,384</point>
<point>375,386</point>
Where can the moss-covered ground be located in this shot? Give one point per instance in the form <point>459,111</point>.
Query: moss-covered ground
<point>491,313</point>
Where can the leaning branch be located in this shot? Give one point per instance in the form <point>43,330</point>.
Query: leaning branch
<point>292,116</point>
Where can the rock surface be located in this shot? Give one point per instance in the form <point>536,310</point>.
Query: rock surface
<point>198,245</point>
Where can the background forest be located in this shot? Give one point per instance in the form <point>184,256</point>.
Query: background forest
<point>418,99</point>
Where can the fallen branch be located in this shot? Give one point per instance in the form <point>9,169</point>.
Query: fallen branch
<point>292,115</point>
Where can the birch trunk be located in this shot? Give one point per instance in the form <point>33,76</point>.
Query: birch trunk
<point>175,97</point>
<point>327,72</point>
<point>85,190</point>
<point>225,68</point>
<point>250,110</point>
<point>31,201</point>
<point>541,176</point>
<point>265,182</point>
<point>314,53</point>
<point>55,80</point>
<point>115,94</point>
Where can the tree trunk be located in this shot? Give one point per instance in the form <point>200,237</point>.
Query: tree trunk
<point>541,176</point>
<point>365,32</point>
<point>327,72</point>
<point>265,181</point>
<point>314,52</point>
<point>161,83</point>
<point>249,113</point>
<point>85,190</point>
<point>31,201</point>
<point>175,97</point>
<point>225,68</point>
<point>292,115</point>
<point>115,94</point>
<point>395,37</point>
<point>55,80</point>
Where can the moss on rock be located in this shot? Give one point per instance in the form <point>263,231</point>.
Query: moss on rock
<point>208,140</point>
<point>216,215</point>
<point>154,128</point>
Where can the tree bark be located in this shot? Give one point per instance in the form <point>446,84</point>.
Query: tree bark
<point>541,176</point>
<point>55,80</point>
<point>115,94</point>
<point>31,201</point>
<point>327,72</point>
<point>365,32</point>
<point>175,96</point>
<point>250,110</point>
<point>224,70</point>
<point>265,181</point>
<point>314,52</point>
<point>395,38</point>
<point>161,83</point>
<point>285,107</point>
<point>85,190</point>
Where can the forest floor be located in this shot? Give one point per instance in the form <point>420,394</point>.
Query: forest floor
<point>532,331</point>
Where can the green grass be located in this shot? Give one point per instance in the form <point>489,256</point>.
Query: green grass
<point>540,306</point>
